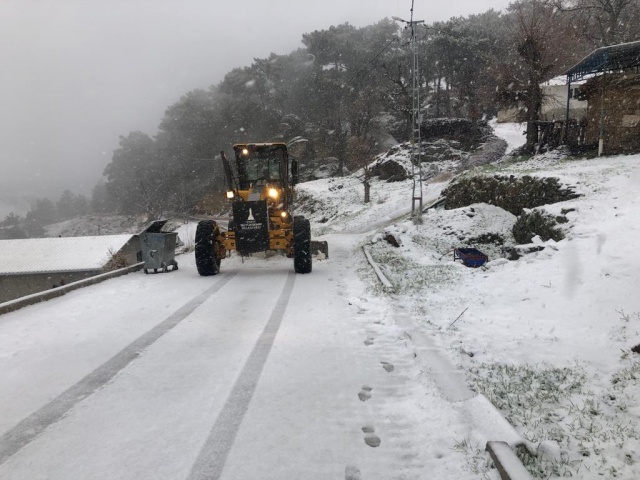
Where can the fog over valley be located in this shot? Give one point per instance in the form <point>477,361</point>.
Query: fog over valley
<point>77,75</point>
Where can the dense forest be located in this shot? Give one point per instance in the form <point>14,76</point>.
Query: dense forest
<point>344,94</point>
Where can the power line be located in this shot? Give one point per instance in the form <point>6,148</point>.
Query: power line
<point>394,39</point>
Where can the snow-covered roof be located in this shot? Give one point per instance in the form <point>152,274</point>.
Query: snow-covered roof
<point>611,58</point>
<point>560,80</point>
<point>51,255</point>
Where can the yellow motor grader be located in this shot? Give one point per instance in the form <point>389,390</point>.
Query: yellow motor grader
<point>261,194</point>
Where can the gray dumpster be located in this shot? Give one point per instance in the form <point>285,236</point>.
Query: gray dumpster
<point>158,248</point>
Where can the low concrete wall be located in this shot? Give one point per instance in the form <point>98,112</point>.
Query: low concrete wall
<point>59,291</point>
<point>18,286</point>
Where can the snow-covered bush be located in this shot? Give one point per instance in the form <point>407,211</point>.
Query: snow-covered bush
<point>535,222</point>
<point>509,192</point>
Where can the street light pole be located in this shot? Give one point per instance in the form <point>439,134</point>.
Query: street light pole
<point>416,162</point>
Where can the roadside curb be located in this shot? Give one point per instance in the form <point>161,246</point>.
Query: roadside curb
<point>376,268</point>
<point>506,461</point>
<point>34,298</point>
<point>502,454</point>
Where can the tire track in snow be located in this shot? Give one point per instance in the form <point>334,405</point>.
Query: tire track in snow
<point>28,429</point>
<point>213,454</point>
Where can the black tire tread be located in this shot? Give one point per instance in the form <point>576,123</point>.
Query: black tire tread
<point>302,245</point>
<point>206,261</point>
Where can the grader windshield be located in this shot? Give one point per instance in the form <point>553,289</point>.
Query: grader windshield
<point>256,163</point>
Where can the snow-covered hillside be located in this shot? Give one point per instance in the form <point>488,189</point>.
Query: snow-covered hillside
<point>547,337</point>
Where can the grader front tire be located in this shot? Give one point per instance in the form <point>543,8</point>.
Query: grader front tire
<point>301,245</point>
<point>207,262</point>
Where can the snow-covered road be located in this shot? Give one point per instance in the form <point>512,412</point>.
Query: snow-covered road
<point>254,373</point>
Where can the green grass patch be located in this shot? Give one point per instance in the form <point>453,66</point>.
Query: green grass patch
<point>544,402</point>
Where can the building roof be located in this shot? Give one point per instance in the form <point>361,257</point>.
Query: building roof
<point>59,254</point>
<point>613,58</point>
<point>558,81</point>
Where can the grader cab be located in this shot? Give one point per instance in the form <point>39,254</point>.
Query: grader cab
<point>261,194</point>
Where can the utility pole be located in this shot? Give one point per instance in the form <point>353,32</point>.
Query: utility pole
<point>416,163</point>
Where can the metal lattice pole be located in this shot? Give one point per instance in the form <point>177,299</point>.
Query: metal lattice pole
<point>416,162</point>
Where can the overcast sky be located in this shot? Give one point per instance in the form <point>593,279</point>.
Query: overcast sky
<point>77,74</point>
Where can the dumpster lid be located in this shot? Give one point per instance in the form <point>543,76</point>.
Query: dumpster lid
<point>155,226</point>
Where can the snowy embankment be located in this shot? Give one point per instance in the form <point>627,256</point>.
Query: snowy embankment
<point>548,337</point>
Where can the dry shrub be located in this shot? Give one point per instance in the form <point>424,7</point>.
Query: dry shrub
<point>117,260</point>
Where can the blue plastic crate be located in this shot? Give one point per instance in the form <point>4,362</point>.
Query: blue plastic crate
<point>471,257</point>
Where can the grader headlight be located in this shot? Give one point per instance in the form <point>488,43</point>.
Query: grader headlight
<point>230,194</point>
<point>273,193</point>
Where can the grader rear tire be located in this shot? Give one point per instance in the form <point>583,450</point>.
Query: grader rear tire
<point>301,245</point>
<point>206,261</point>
